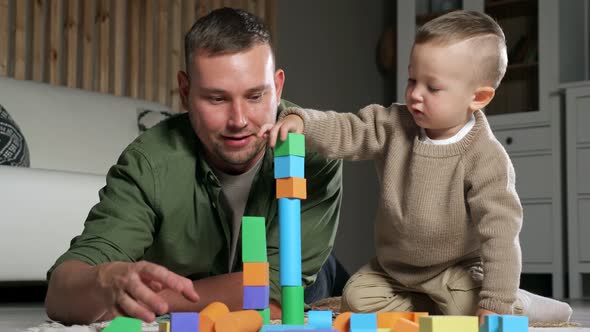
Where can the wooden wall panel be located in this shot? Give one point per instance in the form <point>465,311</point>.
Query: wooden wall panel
<point>123,47</point>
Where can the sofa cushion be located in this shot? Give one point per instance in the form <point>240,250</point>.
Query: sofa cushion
<point>13,146</point>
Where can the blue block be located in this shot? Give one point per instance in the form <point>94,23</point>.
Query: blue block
<point>184,321</point>
<point>290,241</point>
<point>363,322</point>
<point>256,297</point>
<point>514,323</point>
<point>491,323</point>
<point>289,166</point>
<point>319,319</point>
<point>272,328</point>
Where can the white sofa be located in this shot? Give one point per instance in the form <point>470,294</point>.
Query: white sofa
<point>73,136</point>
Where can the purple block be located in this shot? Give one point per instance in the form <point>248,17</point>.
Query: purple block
<point>256,297</point>
<point>184,321</point>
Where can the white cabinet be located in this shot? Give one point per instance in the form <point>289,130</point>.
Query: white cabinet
<point>577,135</point>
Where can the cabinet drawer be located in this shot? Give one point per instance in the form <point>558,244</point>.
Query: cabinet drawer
<point>534,176</point>
<point>582,118</point>
<point>525,139</point>
<point>536,237</point>
<point>583,175</point>
<point>583,219</point>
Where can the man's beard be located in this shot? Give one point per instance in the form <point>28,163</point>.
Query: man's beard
<point>240,157</point>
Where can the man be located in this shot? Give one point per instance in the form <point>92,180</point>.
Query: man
<point>165,234</point>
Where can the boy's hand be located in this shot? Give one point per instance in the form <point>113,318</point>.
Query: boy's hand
<point>290,123</point>
<point>481,313</point>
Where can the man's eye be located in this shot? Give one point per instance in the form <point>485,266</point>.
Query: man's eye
<point>256,97</point>
<point>215,99</point>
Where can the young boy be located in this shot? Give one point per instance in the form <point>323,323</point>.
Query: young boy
<point>449,216</point>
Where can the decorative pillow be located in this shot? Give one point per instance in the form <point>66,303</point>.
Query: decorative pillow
<point>148,118</point>
<point>13,147</point>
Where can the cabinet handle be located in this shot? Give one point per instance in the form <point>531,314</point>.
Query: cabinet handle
<point>508,140</point>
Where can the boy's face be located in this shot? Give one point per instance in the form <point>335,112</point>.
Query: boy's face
<point>441,87</point>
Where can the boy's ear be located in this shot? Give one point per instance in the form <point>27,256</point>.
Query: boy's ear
<point>482,97</point>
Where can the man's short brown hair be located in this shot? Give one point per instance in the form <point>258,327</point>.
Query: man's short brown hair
<point>482,30</point>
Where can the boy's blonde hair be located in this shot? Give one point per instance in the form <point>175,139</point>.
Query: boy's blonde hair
<point>485,34</point>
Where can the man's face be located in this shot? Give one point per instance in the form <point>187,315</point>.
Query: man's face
<point>229,97</point>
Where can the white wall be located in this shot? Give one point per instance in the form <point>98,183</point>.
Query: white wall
<point>328,51</point>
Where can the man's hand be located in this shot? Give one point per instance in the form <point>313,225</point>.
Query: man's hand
<point>131,289</point>
<point>290,123</point>
<point>481,313</point>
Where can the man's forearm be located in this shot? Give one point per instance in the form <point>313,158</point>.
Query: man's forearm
<point>72,295</point>
<point>225,288</point>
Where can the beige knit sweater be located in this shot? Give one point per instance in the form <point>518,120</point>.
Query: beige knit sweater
<point>439,204</point>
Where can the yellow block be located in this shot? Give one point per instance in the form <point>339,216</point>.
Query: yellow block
<point>449,324</point>
<point>164,327</point>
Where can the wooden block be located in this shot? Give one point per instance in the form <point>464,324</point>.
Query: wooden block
<point>239,321</point>
<point>342,322</point>
<point>256,274</point>
<point>449,324</point>
<point>417,315</point>
<point>292,188</point>
<point>165,327</point>
<point>388,319</point>
<point>290,242</point>
<point>514,323</point>
<point>124,324</point>
<point>265,313</point>
<point>491,323</point>
<point>405,325</point>
<point>289,166</point>
<point>319,319</point>
<point>184,321</point>
<point>210,314</point>
<point>253,240</point>
<point>292,305</point>
<point>294,145</point>
<point>363,322</point>
<point>256,297</point>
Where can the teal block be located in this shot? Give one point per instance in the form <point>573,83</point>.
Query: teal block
<point>491,323</point>
<point>319,319</point>
<point>253,240</point>
<point>124,324</point>
<point>514,323</point>
<point>289,167</point>
<point>363,322</point>
<point>294,145</point>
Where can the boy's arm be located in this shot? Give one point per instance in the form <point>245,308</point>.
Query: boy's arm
<point>349,136</point>
<point>495,208</point>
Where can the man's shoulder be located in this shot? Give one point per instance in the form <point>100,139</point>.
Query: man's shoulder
<point>171,139</point>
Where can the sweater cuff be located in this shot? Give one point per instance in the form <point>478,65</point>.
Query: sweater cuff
<point>293,110</point>
<point>499,307</point>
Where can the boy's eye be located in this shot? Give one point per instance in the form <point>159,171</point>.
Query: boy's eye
<point>433,89</point>
<point>411,81</point>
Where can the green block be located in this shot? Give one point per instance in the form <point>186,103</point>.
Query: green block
<point>124,324</point>
<point>253,240</point>
<point>294,145</point>
<point>265,313</point>
<point>292,305</point>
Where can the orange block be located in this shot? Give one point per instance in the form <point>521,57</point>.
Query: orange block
<point>256,274</point>
<point>239,321</point>
<point>292,188</point>
<point>405,325</point>
<point>388,319</point>
<point>342,322</point>
<point>210,314</point>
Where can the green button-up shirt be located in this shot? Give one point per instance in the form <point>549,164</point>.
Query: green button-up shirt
<point>161,204</point>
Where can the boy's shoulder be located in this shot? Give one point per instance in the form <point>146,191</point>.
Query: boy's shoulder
<point>485,146</point>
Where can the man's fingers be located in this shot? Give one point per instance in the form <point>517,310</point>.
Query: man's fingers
<point>170,280</point>
<point>132,308</point>
<point>142,293</point>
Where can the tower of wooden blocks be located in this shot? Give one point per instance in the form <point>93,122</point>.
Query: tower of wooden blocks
<point>255,274</point>
<point>289,173</point>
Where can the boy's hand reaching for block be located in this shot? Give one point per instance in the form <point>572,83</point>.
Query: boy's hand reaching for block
<point>291,123</point>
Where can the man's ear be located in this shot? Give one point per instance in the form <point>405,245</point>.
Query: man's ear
<point>279,83</point>
<point>183,88</point>
<point>482,97</point>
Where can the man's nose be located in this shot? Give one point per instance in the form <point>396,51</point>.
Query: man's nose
<point>238,118</point>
